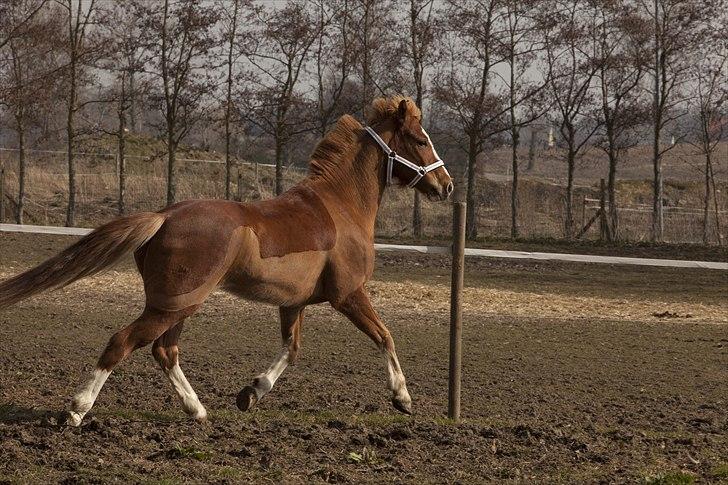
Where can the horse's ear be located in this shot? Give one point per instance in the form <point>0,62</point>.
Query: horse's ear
<point>402,111</point>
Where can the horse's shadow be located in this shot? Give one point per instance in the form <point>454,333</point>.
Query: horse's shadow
<point>14,414</point>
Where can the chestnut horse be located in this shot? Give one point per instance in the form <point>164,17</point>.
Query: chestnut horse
<point>312,244</point>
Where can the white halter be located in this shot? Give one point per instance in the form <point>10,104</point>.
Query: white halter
<point>393,157</point>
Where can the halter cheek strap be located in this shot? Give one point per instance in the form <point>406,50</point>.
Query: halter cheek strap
<point>393,157</point>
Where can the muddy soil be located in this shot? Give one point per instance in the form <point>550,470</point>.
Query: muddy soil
<point>571,373</point>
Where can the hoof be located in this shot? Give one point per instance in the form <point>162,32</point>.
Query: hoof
<point>401,406</point>
<point>246,398</point>
<point>74,419</point>
<point>201,418</point>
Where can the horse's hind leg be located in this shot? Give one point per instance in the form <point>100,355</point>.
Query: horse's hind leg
<point>291,320</point>
<point>166,353</point>
<point>143,331</point>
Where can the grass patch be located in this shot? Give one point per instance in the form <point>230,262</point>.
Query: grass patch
<point>669,478</point>
<point>720,471</point>
<point>29,474</point>
<point>367,456</point>
<point>229,472</point>
<point>179,451</point>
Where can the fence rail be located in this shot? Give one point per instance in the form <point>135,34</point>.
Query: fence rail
<point>648,208</point>
<point>442,250</point>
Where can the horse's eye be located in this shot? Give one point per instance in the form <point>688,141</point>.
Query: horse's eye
<point>421,143</point>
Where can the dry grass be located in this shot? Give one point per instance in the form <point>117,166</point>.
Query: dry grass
<point>414,297</point>
<point>540,195</point>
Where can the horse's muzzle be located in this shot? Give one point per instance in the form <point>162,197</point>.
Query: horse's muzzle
<point>441,194</point>
<point>448,190</point>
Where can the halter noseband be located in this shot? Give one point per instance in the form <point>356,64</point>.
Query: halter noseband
<point>393,157</point>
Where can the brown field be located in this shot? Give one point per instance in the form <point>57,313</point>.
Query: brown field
<point>571,373</point>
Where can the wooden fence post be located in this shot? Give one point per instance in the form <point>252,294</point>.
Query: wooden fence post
<point>456,309</point>
<point>2,194</point>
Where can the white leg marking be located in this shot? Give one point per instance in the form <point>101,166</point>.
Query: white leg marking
<point>395,378</point>
<point>84,399</point>
<point>264,382</point>
<point>190,402</point>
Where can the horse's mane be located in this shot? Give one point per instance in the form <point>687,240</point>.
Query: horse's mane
<point>383,108</point>
<point>335,147</point>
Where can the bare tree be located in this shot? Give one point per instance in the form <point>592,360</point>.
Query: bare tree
<point>186,38</point>
<point>15,15</point>
<point>126,57</point>
<point>79,54</point>
<point>230,27</point>
<point>464,87</point>
<point>677,30</point>
<point>421,41</point>
<point>378,59</point>
<point>618,41</point>
<point>709,101</point>
<point>567,25</point>
<point>334,55</point>
<point>277,46</point>
<point>521,45</point>
<point>27,74</point>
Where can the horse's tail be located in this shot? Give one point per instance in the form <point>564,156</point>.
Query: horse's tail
<point>93,253</point>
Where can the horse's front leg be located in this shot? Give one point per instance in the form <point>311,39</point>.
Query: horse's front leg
<point>291,319</point>
<point>359,310</point>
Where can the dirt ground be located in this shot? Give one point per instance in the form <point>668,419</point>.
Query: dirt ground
<point>571,373</point>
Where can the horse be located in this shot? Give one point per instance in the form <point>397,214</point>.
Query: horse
<point>312,244</point>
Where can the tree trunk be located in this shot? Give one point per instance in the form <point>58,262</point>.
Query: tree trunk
<point>279,165</point>
<point>133,114</point>
<point>570,163</point>
<point>228,163</point>
<point>471,219</point>
<point>715,202</point>
<point>417,206</point>
<point>706,201</point>
<point>657,216</point>
<point>532,150</point>
<point>2,193</point>
<point>365,66</point>
<point>70,136</point>
<point>514,186</point>
<point>122,155</point>
<point>612,196</point>
<point>229,100</point>
<point>21,174</point>
<point>171,172</point>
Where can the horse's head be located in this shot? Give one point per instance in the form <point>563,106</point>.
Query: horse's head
<point>419,165</point>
